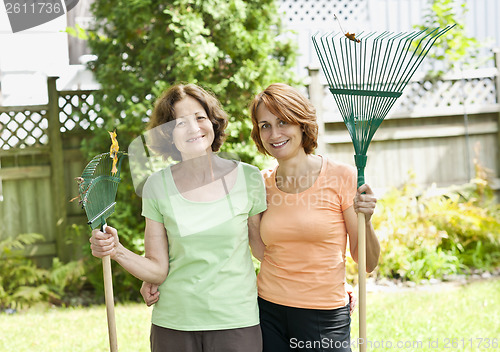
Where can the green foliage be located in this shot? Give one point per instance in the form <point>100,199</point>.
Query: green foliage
<point>77,32</point>
<point>18,273</point>
<point>472,222</point>
<point>229,47</point>
<point>23,284</point>
<point>455,50</point>
<point>432,236</point>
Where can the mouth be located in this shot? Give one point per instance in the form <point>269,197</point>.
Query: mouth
<point>279,144</point>
<point>191,140</point>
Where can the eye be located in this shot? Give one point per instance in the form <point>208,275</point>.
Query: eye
<point>282,123</point>
<point>264,126</point>
<point>201,117</point>
<point>180,123</point>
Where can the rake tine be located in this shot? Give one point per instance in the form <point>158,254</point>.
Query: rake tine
<point>374,62</point>
<point>339,78</point>
<point>390,44</point>
<point>416,54</point>
<point>396,61</point>
<point>340,65</point>
<point>321,61</point>
<point>316,47</point>
<point>326,62</point>
<point>401,58</point>
<point>344,65</point>
<point>372,80</point>
<point>425,50</point>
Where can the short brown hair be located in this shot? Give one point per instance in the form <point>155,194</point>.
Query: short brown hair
<point>289,105</point>
<point>163,112</point>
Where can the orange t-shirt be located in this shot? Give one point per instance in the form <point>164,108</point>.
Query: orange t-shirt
<point>306,238</point>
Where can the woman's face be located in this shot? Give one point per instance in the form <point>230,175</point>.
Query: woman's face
<point>193,133</point>
<point>280,139</point>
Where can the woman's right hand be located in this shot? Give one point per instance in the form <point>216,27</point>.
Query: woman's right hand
<point>150,293</point>
<point>104,243</point>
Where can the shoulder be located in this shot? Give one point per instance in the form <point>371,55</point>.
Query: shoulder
<point>154,184</point>
<point>337,168</point>
<point>340,176</point>
<point>249,168</point>
<point>158,175</point>
<point>252,173</point>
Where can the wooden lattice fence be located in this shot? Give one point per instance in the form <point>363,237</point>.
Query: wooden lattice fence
<point>39,157</point>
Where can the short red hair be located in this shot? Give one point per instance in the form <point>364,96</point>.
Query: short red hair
<point>289,105</point>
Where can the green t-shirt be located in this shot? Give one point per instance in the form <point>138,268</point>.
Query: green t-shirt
<point>211,284</point>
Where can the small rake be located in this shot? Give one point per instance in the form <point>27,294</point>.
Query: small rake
<point>97,187</point>
<point>366,75</point>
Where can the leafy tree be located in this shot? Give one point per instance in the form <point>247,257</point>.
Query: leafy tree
<point>233,48</point>
<point>143,46</point>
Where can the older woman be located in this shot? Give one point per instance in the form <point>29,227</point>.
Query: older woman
<point>312,204</point>
<point>201,214</point>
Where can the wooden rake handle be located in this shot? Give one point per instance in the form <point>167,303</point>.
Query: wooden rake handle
<point>109,298</point>
<point>110,303</point>
<point>362,281</point>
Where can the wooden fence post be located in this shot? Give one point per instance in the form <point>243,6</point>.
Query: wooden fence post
<point>316,98</point>
<point>496,53</point>
<point>57,168</point>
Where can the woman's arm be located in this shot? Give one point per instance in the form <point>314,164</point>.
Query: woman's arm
<point>153,267</point>
<point>256,243</point>
<point>363,203</point>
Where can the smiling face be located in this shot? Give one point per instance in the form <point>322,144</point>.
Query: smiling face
<point>281,139</point>
<point>193,133</point>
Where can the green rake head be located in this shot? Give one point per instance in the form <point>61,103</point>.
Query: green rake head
<point>366,78</point>
<point>97,188</point>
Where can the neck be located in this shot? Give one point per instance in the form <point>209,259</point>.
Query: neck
<point>297,166</point>
<point>201,167</point>
<point>298,174</point>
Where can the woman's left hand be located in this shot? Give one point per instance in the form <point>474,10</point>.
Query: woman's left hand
<point>365,201</point>
<point>150,293</point>
<point>352,298</point>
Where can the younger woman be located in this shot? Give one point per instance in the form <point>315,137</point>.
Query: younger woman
<point>312,204</point>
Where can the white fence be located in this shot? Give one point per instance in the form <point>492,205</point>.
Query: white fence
<point>306,17</point>
<point>434,131</point>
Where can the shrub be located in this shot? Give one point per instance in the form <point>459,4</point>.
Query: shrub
<point>23,284</point>
<point>426,236</point>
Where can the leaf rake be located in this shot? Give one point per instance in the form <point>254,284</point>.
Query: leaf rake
<point>366,75</point>
<point>97,187</point>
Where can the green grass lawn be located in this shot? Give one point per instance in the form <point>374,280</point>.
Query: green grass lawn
<point>418,320</point>
<point>445,319</point>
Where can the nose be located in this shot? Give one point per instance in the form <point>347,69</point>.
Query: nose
<point>193,125</point>
<point>275,133</point>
